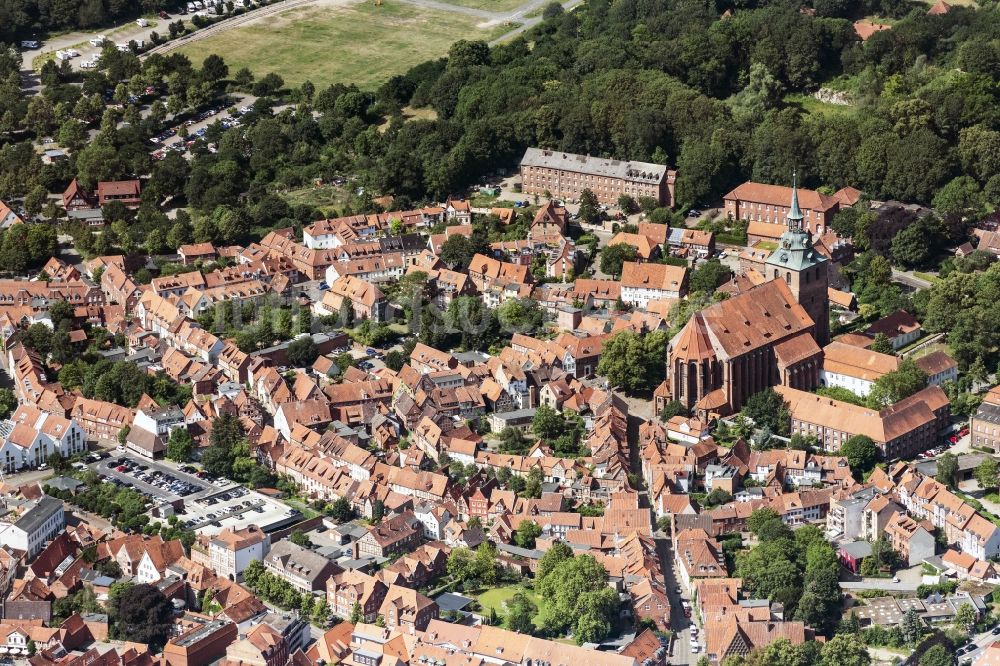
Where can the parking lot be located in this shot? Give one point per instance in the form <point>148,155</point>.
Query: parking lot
<point>236,507</point>
<point>948,443</point>
<point>156,480</point>
<point>166,140</point>
<point>210,504</point>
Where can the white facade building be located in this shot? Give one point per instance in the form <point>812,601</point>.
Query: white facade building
<point>34,527</point>
<point>30,436</point>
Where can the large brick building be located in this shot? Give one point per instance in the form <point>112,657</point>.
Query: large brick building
<point>565,175</point>
<point>985,423</point>
<point>757,202</point>
<point>742,345</point>
<point>900,430</point>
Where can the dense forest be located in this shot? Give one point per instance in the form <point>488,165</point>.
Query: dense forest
<point>723,97</point>
<point>20,19</point>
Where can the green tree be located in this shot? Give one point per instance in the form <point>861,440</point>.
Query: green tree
<point>986,473</point>
<point>718,496</point>
<point>180,445</point>
<point>767,409</point>
<point>912,247</point>
<point>881,344</point>
<point>937,655</point>
<point>862,454</point>
<point>845,650</point>
<point>302,352</point>
<point>578,599</point>
<point>341,510</point>
<point>299,538</point>
<point>547,422</point>
<point>904,381</point>
<point>965,617</point>
<point>912,627</point>
<point>520,614</point>
<point>590,207</point>
<point>527,532</point>
<point>672,409</point>
<point>709,275</point>
<point>321,612</point>
<point>634,362</point>
<point>960,198</point>
<point>8,403</point>
<point>614,257</point>
<point>457,251</point>
<point>947,469</point>
<point>559,552</point>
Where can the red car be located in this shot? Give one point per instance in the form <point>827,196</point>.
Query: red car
<point>121,468</point>
<point>953,439</point>
<point>164,15</point>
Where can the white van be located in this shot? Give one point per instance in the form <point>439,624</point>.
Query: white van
<point>98,41</point>
<point>142,23</point>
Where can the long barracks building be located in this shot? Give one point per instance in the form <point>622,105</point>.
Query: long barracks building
<point>565,176</point>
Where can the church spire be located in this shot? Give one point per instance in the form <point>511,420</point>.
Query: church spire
<point>794,213</point>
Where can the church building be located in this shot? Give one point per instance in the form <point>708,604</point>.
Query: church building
<point>765,336</point>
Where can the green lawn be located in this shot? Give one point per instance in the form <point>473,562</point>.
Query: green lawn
<point>361,44</point>
<point>931,348</point>
<point>496,597</point>
<point>296,503</point>
<point>929,277</point>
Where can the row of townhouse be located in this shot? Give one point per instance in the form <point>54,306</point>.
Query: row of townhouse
<point>961,524</point>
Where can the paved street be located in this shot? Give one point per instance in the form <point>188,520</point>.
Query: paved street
<point>679,624</point>
<point>980,641</point>
<point>909,279</point>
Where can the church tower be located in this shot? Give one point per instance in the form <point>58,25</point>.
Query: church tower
<point>803,269</point>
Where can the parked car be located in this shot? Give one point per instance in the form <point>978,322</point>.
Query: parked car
<point>164,15</point>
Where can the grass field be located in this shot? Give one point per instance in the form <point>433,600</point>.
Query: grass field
<point>930,349</point>
<point>499,6</point>
<point>496,597</point>
<point>361,44</point>
<point>328,198</point>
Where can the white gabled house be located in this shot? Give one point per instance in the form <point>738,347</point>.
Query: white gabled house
<point>30,436</point>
